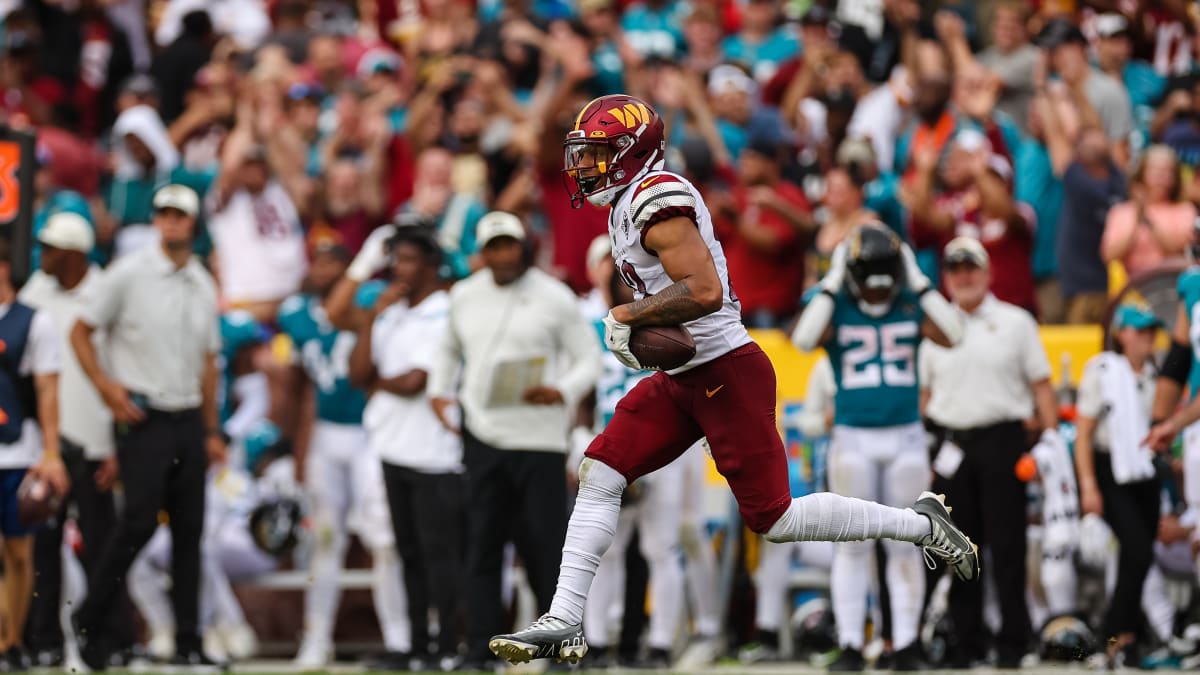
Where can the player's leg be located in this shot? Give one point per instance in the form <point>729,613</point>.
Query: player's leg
<point>403,494</point>
<point>853,472</point>
<point>770,600</point>
<point>697,548</point>
<point>905,477</point>
<point>739,422</point>
<point>648,430</point>
<point>328,483</point>
<point>371,521</point>
<point>148,582</point>
<point>659,519</point>
<point>1191,477</point>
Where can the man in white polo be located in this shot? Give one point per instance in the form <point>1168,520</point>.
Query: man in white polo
<point>981,396</point>
<point>85,435</point>
<point>159,308</point>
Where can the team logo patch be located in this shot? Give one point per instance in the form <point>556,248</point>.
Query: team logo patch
<point>631,115</point>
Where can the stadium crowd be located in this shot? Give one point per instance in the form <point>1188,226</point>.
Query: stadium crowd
<point>269,232</point>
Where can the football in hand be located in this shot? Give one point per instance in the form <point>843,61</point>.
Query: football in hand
<point>37,501</point>
<point>662,347</point>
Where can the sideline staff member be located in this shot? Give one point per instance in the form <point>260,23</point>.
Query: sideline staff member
<point>982,419</point>
<point>159,307</point>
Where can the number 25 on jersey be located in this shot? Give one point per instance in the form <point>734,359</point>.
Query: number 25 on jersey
<point>875,356</point>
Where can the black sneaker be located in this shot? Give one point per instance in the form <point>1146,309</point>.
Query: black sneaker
<point>945,541</point>
<point>546,638</point>
<point>908,659</point>
<point>849,661</point>
<point>18,661</point>
<point>93,649</point>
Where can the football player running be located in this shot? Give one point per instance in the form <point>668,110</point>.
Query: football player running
<point>665,250</point>
<point>869,313</point>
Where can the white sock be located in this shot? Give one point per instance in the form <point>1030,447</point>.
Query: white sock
<point>701,579</point>
<point>849,580</point>
<point>824,516</point>
<point>589,533</point>
<point>391,600</point>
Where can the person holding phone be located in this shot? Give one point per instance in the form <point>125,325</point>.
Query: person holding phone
<point>159,308</point>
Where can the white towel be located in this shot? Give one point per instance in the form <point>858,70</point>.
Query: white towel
<point>1060,496</point>
<point>1128,423</point>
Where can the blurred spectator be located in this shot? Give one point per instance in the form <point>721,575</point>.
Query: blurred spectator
<point>702,31</point>
<point>29,95</point>
<point>51,197</point>
<point>1067,48</point>
<point>976,202</point>
<point>1114,56</point>
<point>1117,478</point>
<point>1012,58</point>
<point>1157,223</point>
<point>89,55</point>
<point>609,49</point>
<point>454,214</point>
<point>879,187</point>
<point>763,226</point>
<point>1040,161</point>
<point>186,50</point>
<point>246,21</point>
<point>654,28</point>
<point>879,116</point>
<point>883,40</point>
<point>291,30</point>
<point>760,44</point>
<point>1092,185</point>
<point>513,452</point>
<point>258,242</point>
<point>841,211</point>
<point>144,158</point>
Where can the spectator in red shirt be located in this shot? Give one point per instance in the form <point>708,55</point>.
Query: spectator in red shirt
<point>976,201</point>
<point>760,226</point>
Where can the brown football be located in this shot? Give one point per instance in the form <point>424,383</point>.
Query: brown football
<point>37,501</point>
<point>662,347</point>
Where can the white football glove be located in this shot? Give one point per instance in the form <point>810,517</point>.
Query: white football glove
<point>616,336</point>
<point>917,281</point>
<point>373,256</point>
<point>836,276</point>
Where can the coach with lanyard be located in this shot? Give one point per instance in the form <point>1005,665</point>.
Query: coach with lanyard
<point>159,308</point>
<point>504,320</point>
<point>980,421</point>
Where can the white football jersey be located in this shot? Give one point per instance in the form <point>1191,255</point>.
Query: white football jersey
<point>659,196</point>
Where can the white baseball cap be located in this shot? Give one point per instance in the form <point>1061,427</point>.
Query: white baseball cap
<point>176,196</point>
<point>965,249</point>
<point>498,224</point>
<point>69,232</point>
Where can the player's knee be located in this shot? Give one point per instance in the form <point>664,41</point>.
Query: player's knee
<point>597,479</point>
<point>779,525</point>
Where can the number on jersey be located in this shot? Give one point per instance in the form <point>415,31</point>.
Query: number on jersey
<point>326,370</point>
<point>878,355</point>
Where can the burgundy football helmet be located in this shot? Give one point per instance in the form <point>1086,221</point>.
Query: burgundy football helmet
<point>617,139</point>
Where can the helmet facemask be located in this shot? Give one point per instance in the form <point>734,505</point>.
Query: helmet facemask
<point>876,284</point>
<point>595,165</point>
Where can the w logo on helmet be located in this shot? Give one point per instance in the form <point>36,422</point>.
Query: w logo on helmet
<point>631,114</point>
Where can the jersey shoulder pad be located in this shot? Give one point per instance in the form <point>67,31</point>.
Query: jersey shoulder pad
<point>294,316</point>
<point>660,197</point>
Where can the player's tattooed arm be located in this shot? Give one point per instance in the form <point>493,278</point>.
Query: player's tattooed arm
<point>685,258</point>
<point>670,307</point>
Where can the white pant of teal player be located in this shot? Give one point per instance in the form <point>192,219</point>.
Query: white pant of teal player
<point>889,465</point>
<point>345,484</point>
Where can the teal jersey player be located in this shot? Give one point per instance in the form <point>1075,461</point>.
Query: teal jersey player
<point>874,361</point>
<point>1188,287</point>
<point>324,351</point>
